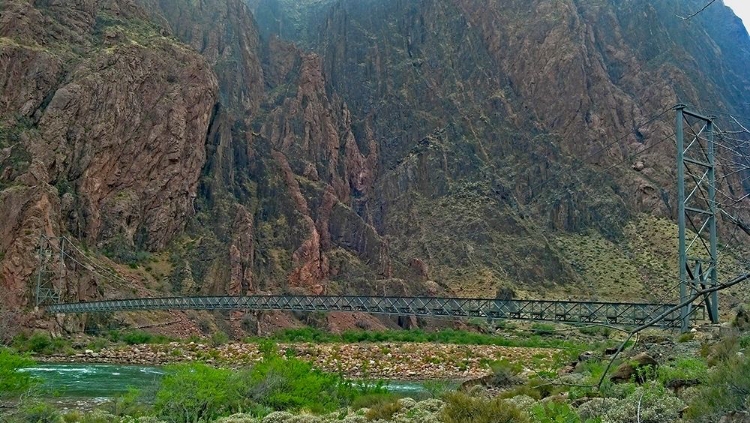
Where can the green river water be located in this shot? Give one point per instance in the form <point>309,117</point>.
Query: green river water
<point>103,381</point>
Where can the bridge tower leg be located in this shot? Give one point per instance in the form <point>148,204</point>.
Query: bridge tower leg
<point>45,292</point>
<point>696,199</point>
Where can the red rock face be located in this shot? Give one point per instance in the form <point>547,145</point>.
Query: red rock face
<point>430,140</point>
<point>128,130</point>
<point>114,117</point>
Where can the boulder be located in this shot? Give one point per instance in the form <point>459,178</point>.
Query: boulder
<point>639,368</point>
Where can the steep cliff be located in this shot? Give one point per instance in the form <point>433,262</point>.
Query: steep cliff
<point>331,146</point>
<point>104,121</point>
<point>504,126</point>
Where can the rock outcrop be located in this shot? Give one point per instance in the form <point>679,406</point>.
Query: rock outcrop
<point>371,146</point>
<point>105,119</point>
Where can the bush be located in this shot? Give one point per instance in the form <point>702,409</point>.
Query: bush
<point>219,338</point>
<point>372,400</point>
<point>505,373</point>
<point>127,404</point>
<point>195,392</point>
<point>293,384</point>
<point>437,388</point>
<point>13,382</point>
<point>684,368</point>
<point>543,329</point>
<point>651,402</point>
<point>461,408</point>
<point>383,410</point>
<point>553,412</point>
<point>727,389</point>
<point>38,412</point>
<point>685,337</point>
<point>446,336</point>
<point>595,331</point>
<point>41,343</point>
<point>135,337</point>
<point>721,351</point>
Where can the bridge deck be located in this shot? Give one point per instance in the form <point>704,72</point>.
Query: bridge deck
<point>625,314</point>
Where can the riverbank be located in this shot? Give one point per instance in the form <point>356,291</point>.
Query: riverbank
<point>402,361</point>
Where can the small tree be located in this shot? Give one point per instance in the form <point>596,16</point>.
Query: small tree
<point>13,382</point>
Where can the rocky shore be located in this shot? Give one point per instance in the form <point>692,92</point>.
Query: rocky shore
<point>402,361</point>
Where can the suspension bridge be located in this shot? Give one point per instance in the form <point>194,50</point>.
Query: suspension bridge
<point>698,207</point>
<point>626,314</point>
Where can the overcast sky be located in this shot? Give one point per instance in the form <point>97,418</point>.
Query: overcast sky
<point>741,8</point>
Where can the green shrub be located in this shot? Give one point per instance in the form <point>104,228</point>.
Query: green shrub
<point>522,390</point>
<point>371,400</point>
<point>505,373</point>
<point>543,329</point>
<point>41,343</point>
<point>554,412</point>
<point>462,408</point>
<point>596,331</point>
<point>13,382</point>
<point>727,389</point>
<point>446,336</point>
<point>383,410</point>
<point>97,344</point>
<point>135,337</point>
<point>194,392</point>
<point>721,351</point>
<point>38,412</point>
<point>127,404</point>
<point>219,338</point>
<point>683,368</point>
<point>437,388</point>
<point>293,384</point>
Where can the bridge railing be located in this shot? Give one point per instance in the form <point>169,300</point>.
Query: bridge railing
<point>626,314</point>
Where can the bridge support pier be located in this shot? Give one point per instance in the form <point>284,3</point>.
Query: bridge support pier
<point>696,198</point>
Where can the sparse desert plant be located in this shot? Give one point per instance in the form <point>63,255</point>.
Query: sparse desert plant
<point>727,389</point>
<point>436,388</point>
<point>555,412</point>
<point>649,403</point>
<point>505,373</point>
<point>37,412</point>
<point>383,410</point>
<point>372,400</point>
<point>461,408</point>
<point>219,338</point>
<point>683,368</point>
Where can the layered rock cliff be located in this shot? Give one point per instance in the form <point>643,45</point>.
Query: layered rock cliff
<point>104,119</point>
<point>392,147</point>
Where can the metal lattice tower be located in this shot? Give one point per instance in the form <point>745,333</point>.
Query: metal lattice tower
<point>45,292</point>
<point>696,197</point>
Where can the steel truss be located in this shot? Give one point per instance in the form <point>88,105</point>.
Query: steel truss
<point>696,198</point>
<point>45,291</point>
<point>624,314</point>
